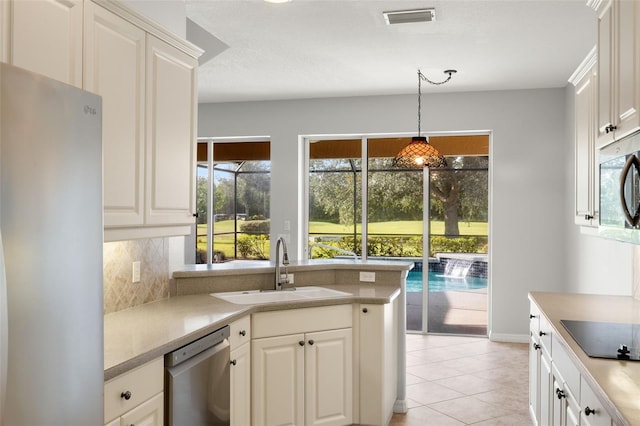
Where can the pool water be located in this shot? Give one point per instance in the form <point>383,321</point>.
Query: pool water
<point>438,282</point>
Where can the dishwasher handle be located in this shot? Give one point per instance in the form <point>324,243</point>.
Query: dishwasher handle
<point>194,348</point>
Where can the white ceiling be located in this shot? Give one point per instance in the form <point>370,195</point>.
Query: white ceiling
<point>328,48</point>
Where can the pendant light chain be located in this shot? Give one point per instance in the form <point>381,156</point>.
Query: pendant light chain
<point>419,153</point>
<point>419,101</point>
<point>435,83</point>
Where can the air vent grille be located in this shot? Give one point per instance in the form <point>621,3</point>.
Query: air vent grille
<point>409,16</point>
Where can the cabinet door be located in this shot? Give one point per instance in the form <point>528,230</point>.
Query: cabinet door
<point>171,135</point>
<point>546,383</point>
<point>586,189</point>
<point>149,413</point>
<point>115,69</point>
<point>241,385</point>
<point>627,66</point>
<point>534,377</point>
<point>277,372</point>
<point>328,378</point>
<point>605,75</point>
<point>559,410</point>
<point>5,31</point>
<point>47,38</point>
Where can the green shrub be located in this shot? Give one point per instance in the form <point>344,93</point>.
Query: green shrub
<point>255,227</point>
<point>402,246</point>
<point>252,246</point>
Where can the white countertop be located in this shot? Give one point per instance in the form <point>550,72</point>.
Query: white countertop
<point>616,382</point>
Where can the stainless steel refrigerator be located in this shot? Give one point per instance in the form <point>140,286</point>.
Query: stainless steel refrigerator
<point>51,224</point>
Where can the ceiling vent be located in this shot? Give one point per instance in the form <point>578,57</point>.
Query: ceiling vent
<point>409,16</point>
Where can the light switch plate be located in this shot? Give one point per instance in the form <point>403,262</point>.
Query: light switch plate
<point>369,277</point>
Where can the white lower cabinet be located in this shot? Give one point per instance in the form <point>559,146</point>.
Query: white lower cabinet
<point>240,398</point>
<point>302,367</point>
<point>137,397</point>
<point>558,394</point>
<point>377,362</point>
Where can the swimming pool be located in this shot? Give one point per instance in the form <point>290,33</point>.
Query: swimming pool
<point>438,282</point>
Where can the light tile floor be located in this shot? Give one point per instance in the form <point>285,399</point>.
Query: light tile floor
<point>454,380</point>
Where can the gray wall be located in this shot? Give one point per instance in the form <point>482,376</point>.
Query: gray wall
<point>534,244</point>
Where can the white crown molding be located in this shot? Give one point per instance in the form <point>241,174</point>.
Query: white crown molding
<point>150,26</point>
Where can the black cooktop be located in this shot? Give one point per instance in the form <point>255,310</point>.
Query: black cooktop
<point>606,339</point>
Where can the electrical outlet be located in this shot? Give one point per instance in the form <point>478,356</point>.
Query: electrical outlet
<point>369,277</point>
<point>135,272</point>
<point>290,278</point>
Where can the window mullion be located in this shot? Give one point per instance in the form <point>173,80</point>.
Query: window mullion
<point>365,191</point>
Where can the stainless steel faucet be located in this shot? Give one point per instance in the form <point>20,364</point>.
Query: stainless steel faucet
<point>280,282</point>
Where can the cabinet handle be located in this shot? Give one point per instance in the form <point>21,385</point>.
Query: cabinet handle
<point>560,393</point>
<point>365,310</point>
<point>311,342</point>
<point>536,346</point>
<point>301,342</point>
<point>542,333</point>
<point>243,333</point>
<point>588,217</point>
<point>610,128</point>
<point>589,411</point>
<point>233,362</point>
<point>126,395</point>
<point>531,316</point>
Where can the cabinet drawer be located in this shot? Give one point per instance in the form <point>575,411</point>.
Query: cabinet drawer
<point>279,323</point>
<point>534,319</point>
<point>142,383</point>
<point>545,334</point>
<point>240,332</point>
<point>567,369</point>
<point>592,411</point>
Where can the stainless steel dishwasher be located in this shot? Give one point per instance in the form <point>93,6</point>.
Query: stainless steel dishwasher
<point>197,382</point>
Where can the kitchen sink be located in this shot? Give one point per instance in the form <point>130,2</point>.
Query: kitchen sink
<point>253,297</point>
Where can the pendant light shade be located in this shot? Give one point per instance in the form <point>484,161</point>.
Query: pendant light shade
<point>419,153</point>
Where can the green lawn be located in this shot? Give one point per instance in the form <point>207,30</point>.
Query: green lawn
<point>224,243</point>
<point>399,227</point>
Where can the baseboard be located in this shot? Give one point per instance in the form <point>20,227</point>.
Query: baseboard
<point>510,338</point>
<point>400,406</point>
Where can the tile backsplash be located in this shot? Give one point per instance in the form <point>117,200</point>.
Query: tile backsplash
<point>119,290</point>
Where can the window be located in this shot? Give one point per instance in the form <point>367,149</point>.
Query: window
<point>233,200</point>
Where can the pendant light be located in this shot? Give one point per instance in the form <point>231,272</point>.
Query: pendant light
<point>419,153</point>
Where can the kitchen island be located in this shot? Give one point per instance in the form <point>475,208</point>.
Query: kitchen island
<point>140,335</point>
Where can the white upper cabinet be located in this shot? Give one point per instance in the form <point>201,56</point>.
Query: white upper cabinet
<point>586,176</point>
<point>618,70</point>
<point>146,77</point>
<point>171,134</point>
<point>115,69</point>
<point>46,37</point>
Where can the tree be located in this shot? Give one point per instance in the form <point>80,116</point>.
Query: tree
<point>201,198</point>
<point>333,194</point>
<point>254,189</point>
<point>458,190</point>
